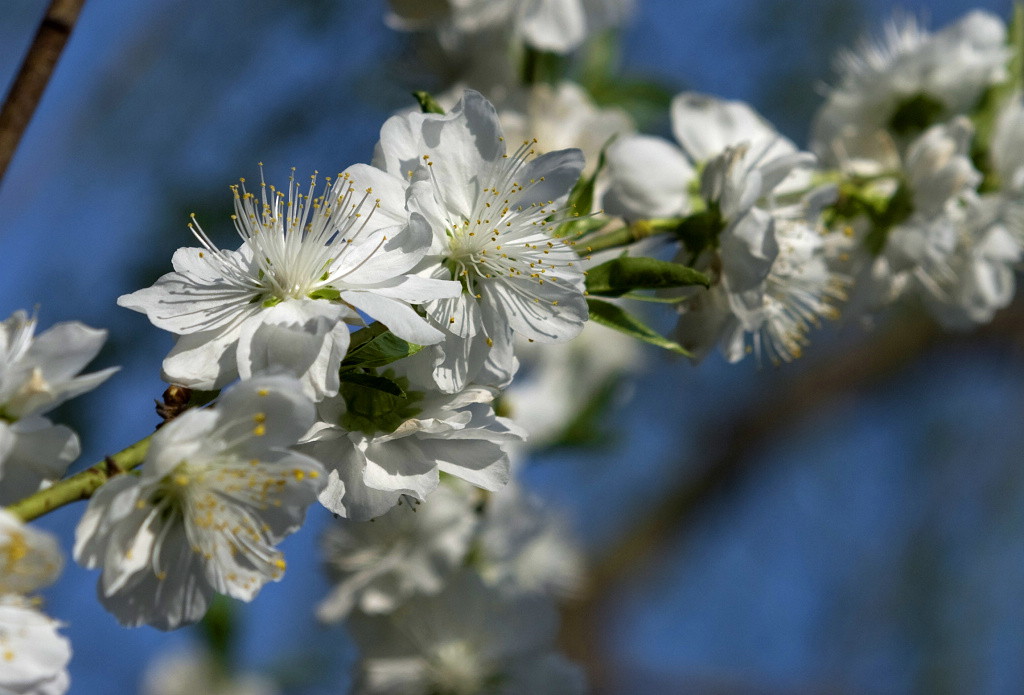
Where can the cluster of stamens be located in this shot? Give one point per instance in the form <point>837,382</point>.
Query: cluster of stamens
<point>508,236</point>
<point>296,239</point>
<point>218,500</point>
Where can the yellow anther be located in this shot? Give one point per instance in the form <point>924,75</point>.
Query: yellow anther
<point>260,430</point>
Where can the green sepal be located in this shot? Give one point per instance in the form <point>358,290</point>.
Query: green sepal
<point>372,405</point>
<point>581,199</point>
<point>701,230</point>
<point>271,301</point>
<point>613,316</point>
<point>200,398</point>
<point>376,346</point>
<point>428,104</point>
<point>373,381</point>
<point>899,208</point>
<point>325,293</point>
<point>620,275</point>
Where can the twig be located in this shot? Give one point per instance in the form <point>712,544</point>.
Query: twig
<point>81,485</point>
<point>34,75</point>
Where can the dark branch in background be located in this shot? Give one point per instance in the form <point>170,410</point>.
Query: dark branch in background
<point>731,453</point>
<point>34,75</point>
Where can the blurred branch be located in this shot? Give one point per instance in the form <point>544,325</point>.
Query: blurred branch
<point>731,452</point>
<point>34,75</point>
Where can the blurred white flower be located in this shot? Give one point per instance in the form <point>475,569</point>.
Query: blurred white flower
<point>557,381</point>
<point>469,639</point>
<point>283,299</point>
<point>33,656</point>
<point>36,375</point>
<point>954,249</point>
<point>906,80</point>
<point>195,672</point>
<point>978,276</point>
<point>216,493</point>
<point>525,546</point>
<point>489,214</point>
<point>29,558</point>
<point>563,116</point>
<point>559,26</point>
<point>409,551</point>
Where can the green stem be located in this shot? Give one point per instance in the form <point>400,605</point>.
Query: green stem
<point>629,234</point>
<point>81,485</point>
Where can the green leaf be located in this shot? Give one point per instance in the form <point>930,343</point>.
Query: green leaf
<point>654,299</point>
<point>271,301</point>
<point>613,316</point>
<point>626,273</point>
<point>372,381</point>
<point>427,103</point>
<point>376,346</point>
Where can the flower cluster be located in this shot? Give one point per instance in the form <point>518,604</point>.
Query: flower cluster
<point>363,344</point>
<point>930,209</point>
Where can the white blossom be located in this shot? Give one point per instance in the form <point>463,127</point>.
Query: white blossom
<point>191,672</point>
<point>36,375</point>
<point>467,640</point>
<point>525,546</point>
<point>978,275</point>
<point>29,558</point>
<point>562,116</point>
<point>770,280</point>
<point>489,214</point>
<point>557,381</point>
<point>305,266</point>
<point>952,248</point>
<point>216,492</point>
<point>906,80</point>
<point>33,656</point>
<point>409,551</point>
<point>381,448</point>
<point>559,26</point>
<point>651,177</point>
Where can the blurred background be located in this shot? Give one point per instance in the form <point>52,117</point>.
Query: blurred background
<point>851,523</point>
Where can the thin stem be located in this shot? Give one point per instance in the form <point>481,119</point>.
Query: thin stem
<point>34,75</point>
<point>641,229</point>
<point>81,485</point>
